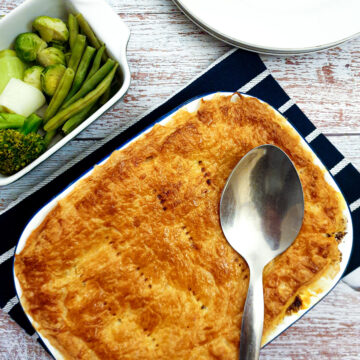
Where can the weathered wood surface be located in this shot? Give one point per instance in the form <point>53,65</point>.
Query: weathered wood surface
<point>165,52</point>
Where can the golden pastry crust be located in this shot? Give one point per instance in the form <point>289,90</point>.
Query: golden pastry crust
<point>132,264</point>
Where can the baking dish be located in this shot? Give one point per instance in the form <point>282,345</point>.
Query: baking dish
<point>326,283</point>
<point>108,27</point>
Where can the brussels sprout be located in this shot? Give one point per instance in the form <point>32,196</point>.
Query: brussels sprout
<point>51,28</point>
<point>27,46</point>
<point>32,76</point>
<point>7,53</point>
<point>51,56</point>
<point>50,78</point>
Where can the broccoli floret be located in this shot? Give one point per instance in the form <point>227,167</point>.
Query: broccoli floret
<point>17,150</point>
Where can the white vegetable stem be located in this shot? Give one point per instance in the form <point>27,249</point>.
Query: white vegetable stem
<point>21,98</point>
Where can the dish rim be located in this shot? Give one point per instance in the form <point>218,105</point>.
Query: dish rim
<point>46,208</point>
<point>125,70</point>
<point>256,48</point>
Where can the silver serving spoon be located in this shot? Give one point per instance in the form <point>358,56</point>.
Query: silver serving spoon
<point>261,213</point>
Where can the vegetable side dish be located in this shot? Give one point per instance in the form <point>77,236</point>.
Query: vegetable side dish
<point>61,71</point>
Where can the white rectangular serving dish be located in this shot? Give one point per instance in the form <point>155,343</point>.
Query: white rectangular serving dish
<point>106,24</point>
<point>326,284</point>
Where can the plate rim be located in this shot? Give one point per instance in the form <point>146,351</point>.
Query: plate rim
<point>257,48</point>
<point>167,117</point>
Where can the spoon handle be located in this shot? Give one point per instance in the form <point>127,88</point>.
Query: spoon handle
<point>253,318</point>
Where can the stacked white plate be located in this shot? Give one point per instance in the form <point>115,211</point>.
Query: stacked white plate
<point>277,26</point>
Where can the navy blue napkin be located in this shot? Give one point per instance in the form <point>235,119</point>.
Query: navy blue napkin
<point>238,70</point>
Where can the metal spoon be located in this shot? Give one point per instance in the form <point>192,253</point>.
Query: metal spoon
<point>261,213</point>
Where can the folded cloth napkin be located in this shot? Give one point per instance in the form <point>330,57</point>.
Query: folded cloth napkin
<point>237,70</point>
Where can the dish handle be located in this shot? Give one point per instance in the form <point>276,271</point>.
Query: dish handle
<point>353,279</point>
<point>105,23</point>
<point>352,273</point>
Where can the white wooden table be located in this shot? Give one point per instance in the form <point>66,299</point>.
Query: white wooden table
<point>165,52</point>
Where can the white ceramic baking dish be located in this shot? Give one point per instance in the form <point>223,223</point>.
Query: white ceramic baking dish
<point>326,284</point>
<point>106,24</point>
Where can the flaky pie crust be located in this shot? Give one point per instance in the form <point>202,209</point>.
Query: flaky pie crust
<point>132,264</point>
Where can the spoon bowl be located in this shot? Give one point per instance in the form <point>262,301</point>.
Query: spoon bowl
<point>261,213</point>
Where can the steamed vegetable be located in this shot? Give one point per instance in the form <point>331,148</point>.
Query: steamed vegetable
<point>49,136</point>
<point>90,84</point>
<point>82,70</point>
<point>20,148</point>
<point>78,118</point>
<point>51,29</point>
<point>50,56</point>
<point>67,58</point>
<point>73,29</point>
<point>31,124</point>
<point>59,45</point>
<point>60,118</point>
<point>60,94</point>
<point>105,96</point>
<point>10,67</point>
<point>96,63</point>
<point>77,51</point>
<point>21,98</point>
<point>27,46</point>
<point>85,27</point>
<point>58,62</point>
<point>11,121</point>
<point>51,77</point>
<point>32,76</point>
<point>7,52</point>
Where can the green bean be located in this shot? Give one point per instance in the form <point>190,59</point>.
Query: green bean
<point>67,58</point>
<point>77,119</point>
<point>105,97</point>
<point>73,29</point>
<point>77,51</point>
<point>90,84</point>
<point>49,136</point>
<point>60,94</point>
<point>60,118</point>
<point>94,41</point>
<point>96,62</point>
<point>81,71</point>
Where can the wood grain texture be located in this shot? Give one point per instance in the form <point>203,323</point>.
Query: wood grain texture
<point>165,52</point>
<point>15,344</point>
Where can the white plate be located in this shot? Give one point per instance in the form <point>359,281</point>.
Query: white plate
<point>277,26</point>
<point>108,27</point>
<point>327,284</point>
